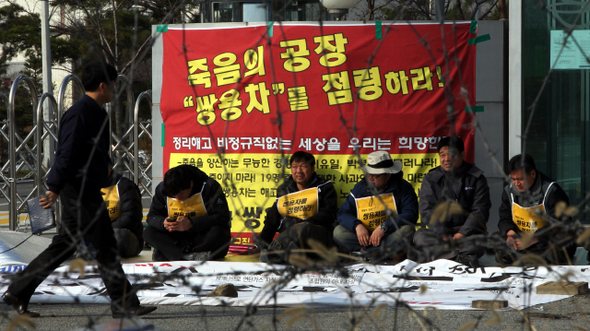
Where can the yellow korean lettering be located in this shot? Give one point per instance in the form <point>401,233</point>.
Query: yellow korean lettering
<point>227,71</point>
<point>205,109</point>
<point>298,99</point>
<point>396,82</point>
<point>199,73</point>
<point>253,91</point>
<point>254,62</point>
<point>337,88</point>
<point>229,103</point>
<point>332,48</point>
<point>295,53</point>
<point>421,79</point>
<point>369,83</point>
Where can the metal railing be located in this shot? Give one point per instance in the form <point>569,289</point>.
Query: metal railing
<point>16,202</point>
<point>26,155</point>
<point>143,165</point>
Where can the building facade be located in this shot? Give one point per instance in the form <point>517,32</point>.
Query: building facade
<point>225,11</point>
<point>550,89</point>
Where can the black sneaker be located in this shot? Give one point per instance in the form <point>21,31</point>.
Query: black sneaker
<point>470,260</point>
<point>269,256</point>
<point>504,259</point>
<point>18,305</point>
<point>157,256</point>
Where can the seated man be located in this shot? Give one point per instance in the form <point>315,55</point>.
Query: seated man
<point>450,228</point>
<point>305,209</point>
<point>189,217</point>
<point>379,215</point>
<point>528,206</point>
<point>123,202</point>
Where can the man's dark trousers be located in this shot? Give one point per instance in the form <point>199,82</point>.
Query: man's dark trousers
<point>174,245</point>
<point>84,214</point>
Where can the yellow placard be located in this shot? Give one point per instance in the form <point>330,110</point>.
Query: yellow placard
<point>528,219</point>
<point>191,207</point>
<point>372,211</point>
<point>111,198</point>
<point>302,204</point>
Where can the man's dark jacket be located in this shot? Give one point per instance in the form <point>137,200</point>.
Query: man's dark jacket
<point>213,198</point>
<point>131,210</point>
<point>83,141</point>
<point>327,207</point>
<point>468,187</point>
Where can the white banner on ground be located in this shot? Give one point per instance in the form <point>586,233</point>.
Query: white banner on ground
<point>442,284</point>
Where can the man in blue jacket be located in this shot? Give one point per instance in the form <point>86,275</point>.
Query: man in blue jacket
<point>379,215</point>
<point>79,172</point>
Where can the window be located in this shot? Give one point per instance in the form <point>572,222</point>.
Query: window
<point>560,124</point>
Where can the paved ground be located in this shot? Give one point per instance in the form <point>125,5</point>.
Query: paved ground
<point>569,314</point>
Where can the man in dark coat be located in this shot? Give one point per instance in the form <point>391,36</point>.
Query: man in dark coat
<point>79,172</point>
<point>455,205</point>
<point>305,209</point>
<point>189,217</point>
<point>126,212</point>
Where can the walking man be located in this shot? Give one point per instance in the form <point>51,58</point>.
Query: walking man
<point>79,172</point>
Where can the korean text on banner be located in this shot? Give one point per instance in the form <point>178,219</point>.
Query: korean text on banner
<point>237,102</point>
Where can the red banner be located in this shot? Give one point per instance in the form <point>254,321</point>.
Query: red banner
<point>251,94</point>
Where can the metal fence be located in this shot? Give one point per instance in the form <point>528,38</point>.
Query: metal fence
<point>25,162</point>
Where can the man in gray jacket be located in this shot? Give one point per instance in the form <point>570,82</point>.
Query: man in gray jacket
<point>455,205</point>
<point>529,206</point>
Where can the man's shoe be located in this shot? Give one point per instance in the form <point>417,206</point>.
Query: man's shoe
<point>157,256</point>
<point>470,260</point>
<point>19,306</point>
<point>265,256</point>
<point>197,256</point>
<point>361,255</point>
<point>134,311</point>
<point>399,257</point>
<point>269,256</point>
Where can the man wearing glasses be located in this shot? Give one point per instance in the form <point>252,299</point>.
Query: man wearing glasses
<point>379,215</point>
<point>455,204</point>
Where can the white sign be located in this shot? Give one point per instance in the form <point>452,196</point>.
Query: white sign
<point>442,284</point>
<point>574,53</point>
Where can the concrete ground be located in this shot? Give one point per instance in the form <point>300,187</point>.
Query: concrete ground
<point>569,314</point>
